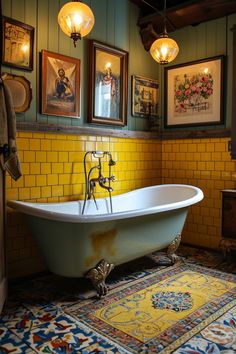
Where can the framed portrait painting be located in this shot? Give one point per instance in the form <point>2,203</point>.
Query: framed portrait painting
<point>194,93</point>
<point>145,95</point>
<point>108,78</point>
<point>17,44</point>
<point>60,85</point>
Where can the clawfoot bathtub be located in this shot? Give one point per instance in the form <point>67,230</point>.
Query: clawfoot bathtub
<point>143,221</point>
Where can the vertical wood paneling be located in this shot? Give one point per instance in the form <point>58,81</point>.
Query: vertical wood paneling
<point>18,10</point>
<point>122,24</point>
<point>231,20</point>
<point>100,27</point>
<point>18,13</point>
<point>53,28</point>
<point>211,28</point>
<point>115,24</point>
<point>81,52</point>
<point>201,41</point>
<point>6,11</point>
<point>6,8</point>
<point>84,70</point>
<point>31,19</point>
<point>110,30</point>
<point>140,63</point>
<point>64,47</point>
<point>221,36</point>
<point>42,43</point>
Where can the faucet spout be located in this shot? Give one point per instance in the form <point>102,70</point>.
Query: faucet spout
<point>102,180</point>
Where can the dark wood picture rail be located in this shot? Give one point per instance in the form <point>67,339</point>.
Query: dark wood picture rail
<point>233,120</point>
<point>166,135</point>
<point>85,130</point>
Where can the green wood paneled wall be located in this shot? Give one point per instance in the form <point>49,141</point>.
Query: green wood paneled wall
<point>115,24</point>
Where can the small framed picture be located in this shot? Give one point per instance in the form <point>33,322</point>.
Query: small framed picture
<point>17,44</point>
<point>145,96</point>
<point>60,85</point>
<point>194,93</point>
<point>108,83</point>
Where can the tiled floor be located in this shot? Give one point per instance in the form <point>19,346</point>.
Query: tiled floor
<point>35,319</point>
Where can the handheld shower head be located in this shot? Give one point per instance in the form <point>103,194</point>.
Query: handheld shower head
<point>111,162</point>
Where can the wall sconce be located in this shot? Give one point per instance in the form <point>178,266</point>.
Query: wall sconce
<point>164,49</point>
<point>76,20</point>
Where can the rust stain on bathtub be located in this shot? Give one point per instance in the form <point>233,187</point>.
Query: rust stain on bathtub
<point>102,243</point>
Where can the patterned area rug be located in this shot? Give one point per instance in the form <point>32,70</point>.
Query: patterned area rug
<point>188,308</point>
<point>160,312</point>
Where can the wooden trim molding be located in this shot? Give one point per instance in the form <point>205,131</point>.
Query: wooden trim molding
<point>85,130</point>
<point>233,119</point>
<point>165,135</point>
<point>195,134</point>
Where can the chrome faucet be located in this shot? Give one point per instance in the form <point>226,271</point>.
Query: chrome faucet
<point>90,183</point>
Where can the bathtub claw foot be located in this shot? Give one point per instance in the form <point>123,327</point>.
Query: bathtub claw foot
<point>173,248</point>
<point>98,276</point>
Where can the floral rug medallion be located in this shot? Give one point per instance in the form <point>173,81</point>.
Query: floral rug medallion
<point>171,300</point>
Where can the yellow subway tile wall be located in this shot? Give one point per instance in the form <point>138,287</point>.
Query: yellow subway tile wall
<point>52,166</point>
<point>204,163</point>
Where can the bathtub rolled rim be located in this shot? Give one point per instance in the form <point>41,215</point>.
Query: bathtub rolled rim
<point>30,208</point>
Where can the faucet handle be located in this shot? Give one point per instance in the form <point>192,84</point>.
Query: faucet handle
<point>112,178</point>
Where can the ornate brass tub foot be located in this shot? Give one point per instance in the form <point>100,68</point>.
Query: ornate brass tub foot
<point>227,245</point>
<point>172,248</point>
<point>98,276</point>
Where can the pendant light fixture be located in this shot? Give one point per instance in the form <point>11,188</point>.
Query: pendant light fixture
<point>76,20</point>
<point>164,49</point>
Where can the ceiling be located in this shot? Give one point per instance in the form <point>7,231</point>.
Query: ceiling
<point>179,14</point>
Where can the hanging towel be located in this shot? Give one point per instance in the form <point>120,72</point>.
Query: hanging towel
<point>11,161</point>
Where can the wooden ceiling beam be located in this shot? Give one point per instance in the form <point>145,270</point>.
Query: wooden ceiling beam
<point>189,13</point>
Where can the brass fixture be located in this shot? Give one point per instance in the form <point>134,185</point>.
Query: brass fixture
<point>90,183</point>
<point>164,49</point>
<point>172,248</point>
<point>98,276</point>
<point>76,20</point>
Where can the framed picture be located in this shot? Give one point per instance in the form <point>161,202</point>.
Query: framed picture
<point>145,95</point>
<point>60,85</point>
<point>194,93</point>
<point>108,78</point>
<point>17,44</point>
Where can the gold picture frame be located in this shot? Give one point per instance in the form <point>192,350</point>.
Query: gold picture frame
<point>17,44</point>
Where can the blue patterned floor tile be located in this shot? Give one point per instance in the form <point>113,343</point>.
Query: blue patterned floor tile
<point>23,320</point>
<point>10,343</point>
<point>65,335</point>
<point>218,337</point>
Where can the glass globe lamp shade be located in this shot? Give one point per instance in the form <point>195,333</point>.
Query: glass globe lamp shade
<point>76,20</point>
<point>164,49</point>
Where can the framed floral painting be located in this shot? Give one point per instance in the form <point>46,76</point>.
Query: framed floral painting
<point>194,93</point>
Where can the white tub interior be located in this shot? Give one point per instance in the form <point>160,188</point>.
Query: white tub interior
<point>142,201</point>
